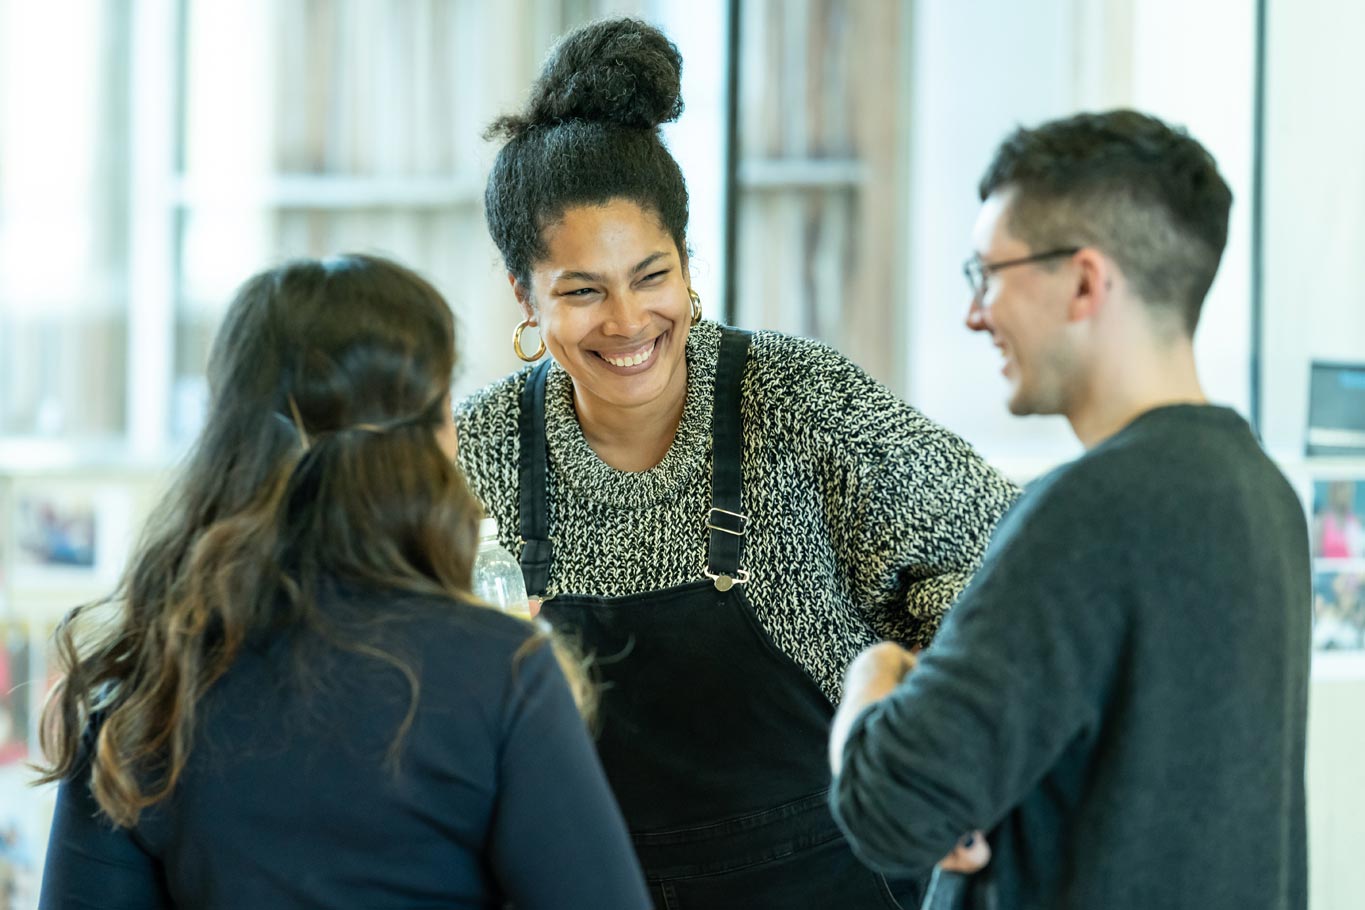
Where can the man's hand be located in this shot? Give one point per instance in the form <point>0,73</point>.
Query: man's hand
<point>871,676</point>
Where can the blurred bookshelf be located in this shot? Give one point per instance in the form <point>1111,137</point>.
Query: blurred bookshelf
<point>821,174</point>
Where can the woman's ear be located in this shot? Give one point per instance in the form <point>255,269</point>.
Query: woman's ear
<point>523,295</point>
<point>447,437</point>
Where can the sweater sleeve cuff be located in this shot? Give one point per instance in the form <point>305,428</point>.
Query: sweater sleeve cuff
<point>884,827</point>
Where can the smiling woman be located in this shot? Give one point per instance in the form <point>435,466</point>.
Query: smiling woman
<point>611,301</point>
<point>725,518</point>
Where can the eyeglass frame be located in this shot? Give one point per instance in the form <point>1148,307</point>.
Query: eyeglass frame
<point>975,266</point>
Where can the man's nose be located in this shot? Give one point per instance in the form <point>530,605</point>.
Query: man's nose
<point>976,314</point>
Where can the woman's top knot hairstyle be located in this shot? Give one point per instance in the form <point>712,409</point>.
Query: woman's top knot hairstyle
<point>620,71</point>
<point>589,134</point>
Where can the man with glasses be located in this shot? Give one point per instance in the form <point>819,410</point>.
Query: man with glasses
<point>1119,697</point>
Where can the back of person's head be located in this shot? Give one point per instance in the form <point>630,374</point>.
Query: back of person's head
<point>589,134</point>
<point>319,463</point>
<point>343,365</point>
<point>1145,194</point>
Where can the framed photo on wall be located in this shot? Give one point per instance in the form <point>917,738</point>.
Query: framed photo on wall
<point>1337,538</point>
<point>17,671</point>
<point>1339,519</point>
<point>66,537</point>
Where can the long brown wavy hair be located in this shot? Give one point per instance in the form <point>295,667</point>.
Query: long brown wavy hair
<point>319,461</point>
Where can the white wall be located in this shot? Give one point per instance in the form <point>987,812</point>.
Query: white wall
<point>1314,205</point>
<point>971,85</point>
<point>1315,309</point>
<point>985,67</point>
<point>700,31</point>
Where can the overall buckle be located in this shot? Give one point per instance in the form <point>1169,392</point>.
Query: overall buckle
<point>734,524</point>
<point>724,581</point>
<point>740,523</point>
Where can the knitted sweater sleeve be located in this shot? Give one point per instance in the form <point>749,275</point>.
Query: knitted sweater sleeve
<point>925,507</point>
<point>910,506</point>
<point>486,427</point>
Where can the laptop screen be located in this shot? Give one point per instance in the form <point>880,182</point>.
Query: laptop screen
<point>1336,409</point>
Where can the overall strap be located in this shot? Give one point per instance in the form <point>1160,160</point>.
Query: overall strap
<point>726,521</point>
<point>536,554</point>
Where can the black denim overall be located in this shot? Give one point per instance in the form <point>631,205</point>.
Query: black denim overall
<point>713,739</point>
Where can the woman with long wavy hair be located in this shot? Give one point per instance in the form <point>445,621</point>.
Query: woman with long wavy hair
<point>293,699</point>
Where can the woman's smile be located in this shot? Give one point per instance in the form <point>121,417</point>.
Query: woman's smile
<point>611,302</point>
<point>631,360</point>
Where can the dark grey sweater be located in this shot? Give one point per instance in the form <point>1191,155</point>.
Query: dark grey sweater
<point>1120,696</point>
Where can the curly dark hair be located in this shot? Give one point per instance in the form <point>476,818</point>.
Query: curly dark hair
<point>1147,194</point>
<point>589,134</point>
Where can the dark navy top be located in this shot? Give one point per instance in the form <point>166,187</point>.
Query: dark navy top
<point>287,799</point>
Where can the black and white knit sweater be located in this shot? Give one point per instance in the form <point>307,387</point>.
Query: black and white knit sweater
<point>865,518</point>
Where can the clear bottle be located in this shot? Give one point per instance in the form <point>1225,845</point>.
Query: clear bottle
<point>497,577</point>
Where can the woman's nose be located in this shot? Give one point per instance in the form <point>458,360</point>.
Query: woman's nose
<point>626,314</point>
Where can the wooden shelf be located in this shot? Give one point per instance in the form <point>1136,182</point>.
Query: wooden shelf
<point>328,192</point>
<point>801,173</point>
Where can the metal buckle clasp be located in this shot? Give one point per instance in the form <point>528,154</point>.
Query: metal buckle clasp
<point>723,581</point>
<point>711,524</point>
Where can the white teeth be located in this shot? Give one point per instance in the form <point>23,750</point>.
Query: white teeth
<point>631,361</point>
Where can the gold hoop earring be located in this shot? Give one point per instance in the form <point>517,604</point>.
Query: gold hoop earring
<point>516,343</point>
<point>696,305</point>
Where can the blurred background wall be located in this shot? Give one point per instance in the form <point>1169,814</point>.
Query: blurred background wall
<point>154,153</point>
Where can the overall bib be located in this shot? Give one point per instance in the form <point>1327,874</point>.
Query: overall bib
<point>713,739</point>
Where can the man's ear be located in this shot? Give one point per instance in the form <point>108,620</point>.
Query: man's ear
<point>523,295</point>
<point>1094,280</point>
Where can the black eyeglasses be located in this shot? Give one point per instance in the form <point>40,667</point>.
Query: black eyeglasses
<point>977,271</point>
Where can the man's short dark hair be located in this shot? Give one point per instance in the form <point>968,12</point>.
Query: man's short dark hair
<point>1146,194</point>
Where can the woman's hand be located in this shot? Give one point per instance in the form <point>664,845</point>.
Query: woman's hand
<point>871,677</point>
<point>880,667</point>
<point>971,854</point>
